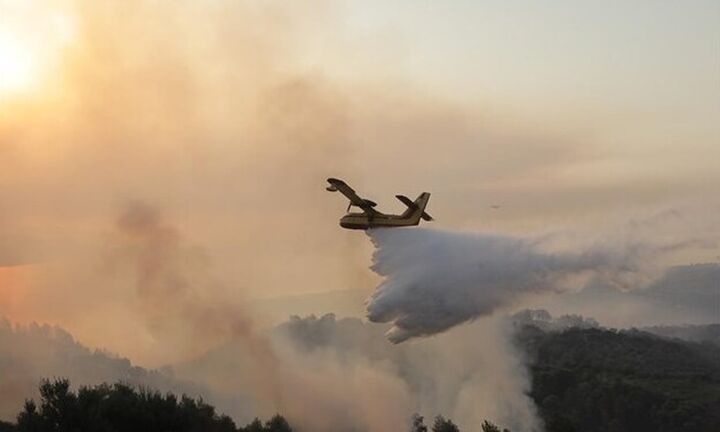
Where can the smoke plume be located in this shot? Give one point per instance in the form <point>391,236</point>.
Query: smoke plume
<point>435,280</point>
<point>178,298</point>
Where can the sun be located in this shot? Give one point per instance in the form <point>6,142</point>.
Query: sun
<point>18,64</point>
<point>33,38</point>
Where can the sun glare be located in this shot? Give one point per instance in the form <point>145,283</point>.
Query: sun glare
<point>32,38</point>
<point>18,66</point>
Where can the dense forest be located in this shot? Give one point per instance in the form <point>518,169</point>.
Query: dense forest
<point>606,380</point>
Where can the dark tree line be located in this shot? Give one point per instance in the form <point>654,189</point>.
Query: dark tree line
<point>120,407</point>
<point>441,424</point>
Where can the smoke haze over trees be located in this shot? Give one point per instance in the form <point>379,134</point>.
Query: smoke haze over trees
<point>581,378</point>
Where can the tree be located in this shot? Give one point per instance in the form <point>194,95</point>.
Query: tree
<point>59,408</point>
<point>119,408</point>
<point>29,420</point>
<point>277,424</point>
<point>254,426</point>
<point>7,427</point>
<point>444,425</point>
<point>489,427</point>
<point>418,423</point>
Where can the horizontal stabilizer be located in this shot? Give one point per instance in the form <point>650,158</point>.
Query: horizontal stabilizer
<point>411,205</point>
<point>407,201</point>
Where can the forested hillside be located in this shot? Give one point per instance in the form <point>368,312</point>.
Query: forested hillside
<point>606,380</point>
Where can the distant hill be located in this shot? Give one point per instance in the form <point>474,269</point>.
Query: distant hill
<point>344,303</point>
<point>683,295</point>
<point>542,319</point>
<point>709,333</point>
<point>692,287</point>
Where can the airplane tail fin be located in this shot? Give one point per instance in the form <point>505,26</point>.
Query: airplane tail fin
<point>416,209</point>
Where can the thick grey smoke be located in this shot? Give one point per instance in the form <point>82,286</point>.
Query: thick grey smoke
<point>435,280</point>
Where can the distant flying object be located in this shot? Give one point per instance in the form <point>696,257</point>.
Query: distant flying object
<point>371,218</point>
<point>495,207</point>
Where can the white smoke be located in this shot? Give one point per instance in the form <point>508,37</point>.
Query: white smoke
<point>471,374</point>
<point>434,280</point>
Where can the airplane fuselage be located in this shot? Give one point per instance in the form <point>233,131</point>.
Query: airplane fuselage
<point>361,221</point>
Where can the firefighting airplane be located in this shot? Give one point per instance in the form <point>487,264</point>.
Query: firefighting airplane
<point>371,218</point>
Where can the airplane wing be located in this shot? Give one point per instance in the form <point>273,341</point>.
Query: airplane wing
<point>339,185</point>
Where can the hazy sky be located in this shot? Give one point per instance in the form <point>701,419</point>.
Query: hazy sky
<point>548,57</point>
<point>632,89</point>
<point>641,78</point>
<point>223,119</point>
